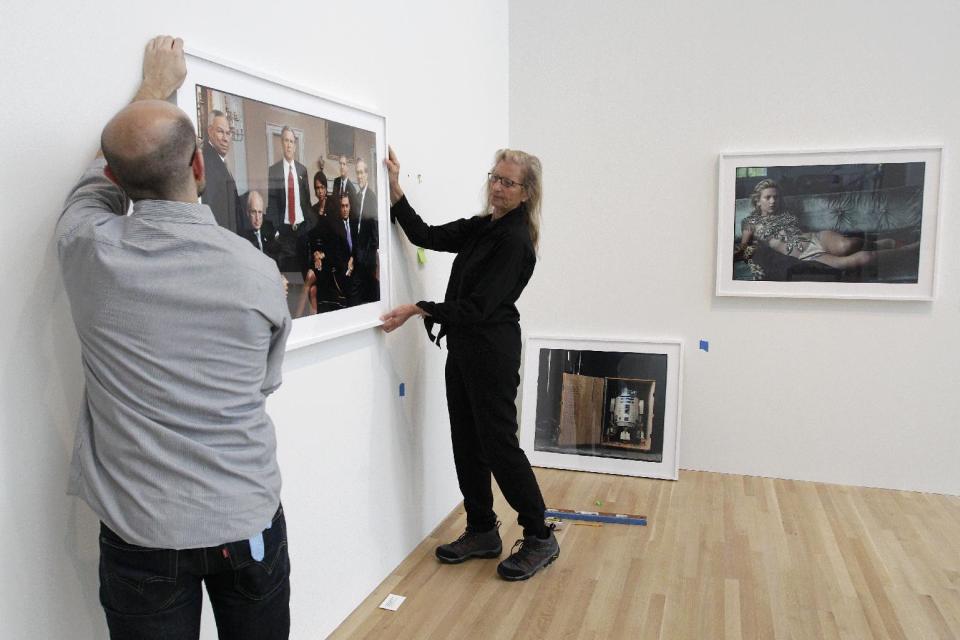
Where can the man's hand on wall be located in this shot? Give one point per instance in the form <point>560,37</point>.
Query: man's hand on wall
<point>164,68</point>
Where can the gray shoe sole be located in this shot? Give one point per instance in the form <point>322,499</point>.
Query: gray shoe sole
<point>477,554</point>
<point>529,575</point>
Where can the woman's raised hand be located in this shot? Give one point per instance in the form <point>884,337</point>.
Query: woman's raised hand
<point>393,171</point>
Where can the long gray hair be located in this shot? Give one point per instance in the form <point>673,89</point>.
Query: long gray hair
<point>532,186</point>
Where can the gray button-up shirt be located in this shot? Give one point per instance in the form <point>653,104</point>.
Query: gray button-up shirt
<point>182,328</point>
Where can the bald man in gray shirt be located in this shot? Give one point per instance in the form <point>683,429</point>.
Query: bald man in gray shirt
<point>174,450</point>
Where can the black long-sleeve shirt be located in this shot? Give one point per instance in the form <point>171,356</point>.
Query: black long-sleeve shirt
<point>495,259</point>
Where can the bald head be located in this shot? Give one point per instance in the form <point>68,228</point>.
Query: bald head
<point>255,209</point>
<point>149,146</point>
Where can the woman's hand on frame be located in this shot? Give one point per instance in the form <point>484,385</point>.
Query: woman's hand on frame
<point>393,172</point>
<point>395,318</point>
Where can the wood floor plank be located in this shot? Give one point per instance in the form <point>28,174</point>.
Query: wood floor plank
<point>722,556</point>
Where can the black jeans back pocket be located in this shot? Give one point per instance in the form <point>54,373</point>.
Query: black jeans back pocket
<point>259,579</point>
<point>135,580</point>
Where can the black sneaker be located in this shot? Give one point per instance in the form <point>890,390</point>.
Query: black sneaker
<point>485,544</point>
<point>528,556</point>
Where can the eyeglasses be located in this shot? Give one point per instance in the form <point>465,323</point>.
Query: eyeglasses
<point>507,183</point>
<point>196,147</point>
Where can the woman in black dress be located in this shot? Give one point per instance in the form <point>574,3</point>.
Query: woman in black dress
<point>496,254</point>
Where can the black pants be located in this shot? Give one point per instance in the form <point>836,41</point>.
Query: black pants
<point>156,594</point>
<point>481,394</point>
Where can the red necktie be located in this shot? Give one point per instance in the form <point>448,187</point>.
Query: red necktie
<point>290,202</point>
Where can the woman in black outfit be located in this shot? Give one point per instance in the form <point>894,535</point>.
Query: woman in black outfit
<point>496,254</point>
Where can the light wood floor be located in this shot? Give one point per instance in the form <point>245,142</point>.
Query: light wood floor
<point>723,556</point>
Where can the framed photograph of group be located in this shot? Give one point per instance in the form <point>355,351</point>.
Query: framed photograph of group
<point>605,406</point>
<point>829,224</point>
<point>298,175</point>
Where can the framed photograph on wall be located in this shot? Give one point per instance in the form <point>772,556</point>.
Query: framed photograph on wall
<point>829,224</point>
<point>299,176</point>
<point>606,406</point>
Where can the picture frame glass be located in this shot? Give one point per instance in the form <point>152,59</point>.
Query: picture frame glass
<point>604,406</point>
<point>841,224</point>
<point>299,175</point>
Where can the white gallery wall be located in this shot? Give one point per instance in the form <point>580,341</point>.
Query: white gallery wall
<point>629,104</point>
<point>367,475</point>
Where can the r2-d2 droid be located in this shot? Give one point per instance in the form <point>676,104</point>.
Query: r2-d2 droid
<point>626,416</point>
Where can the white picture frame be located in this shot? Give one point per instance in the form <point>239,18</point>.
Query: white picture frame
<point>238,82</point>
<point>572,414</point>
<point>881,202</point>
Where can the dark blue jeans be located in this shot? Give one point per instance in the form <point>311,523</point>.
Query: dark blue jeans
<point>156,593</point>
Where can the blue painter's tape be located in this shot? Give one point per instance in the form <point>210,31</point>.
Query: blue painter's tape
<point>403,390</point>
<point>595,517</point>
<point>704,346</point>
<point>256,545</point>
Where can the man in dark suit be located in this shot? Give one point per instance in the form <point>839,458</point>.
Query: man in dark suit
<point>288,203</point>
<point>368,238</point>
<point>220,193</point>
<point>342,185</point>
<point>334,247</point>
<point>261,234</point>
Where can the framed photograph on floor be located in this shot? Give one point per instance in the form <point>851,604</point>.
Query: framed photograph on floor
<point>829,224</point>
<point>299,176</point>
<point>606,406</point>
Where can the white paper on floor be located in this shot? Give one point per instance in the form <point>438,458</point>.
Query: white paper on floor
<point>392,602</point>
